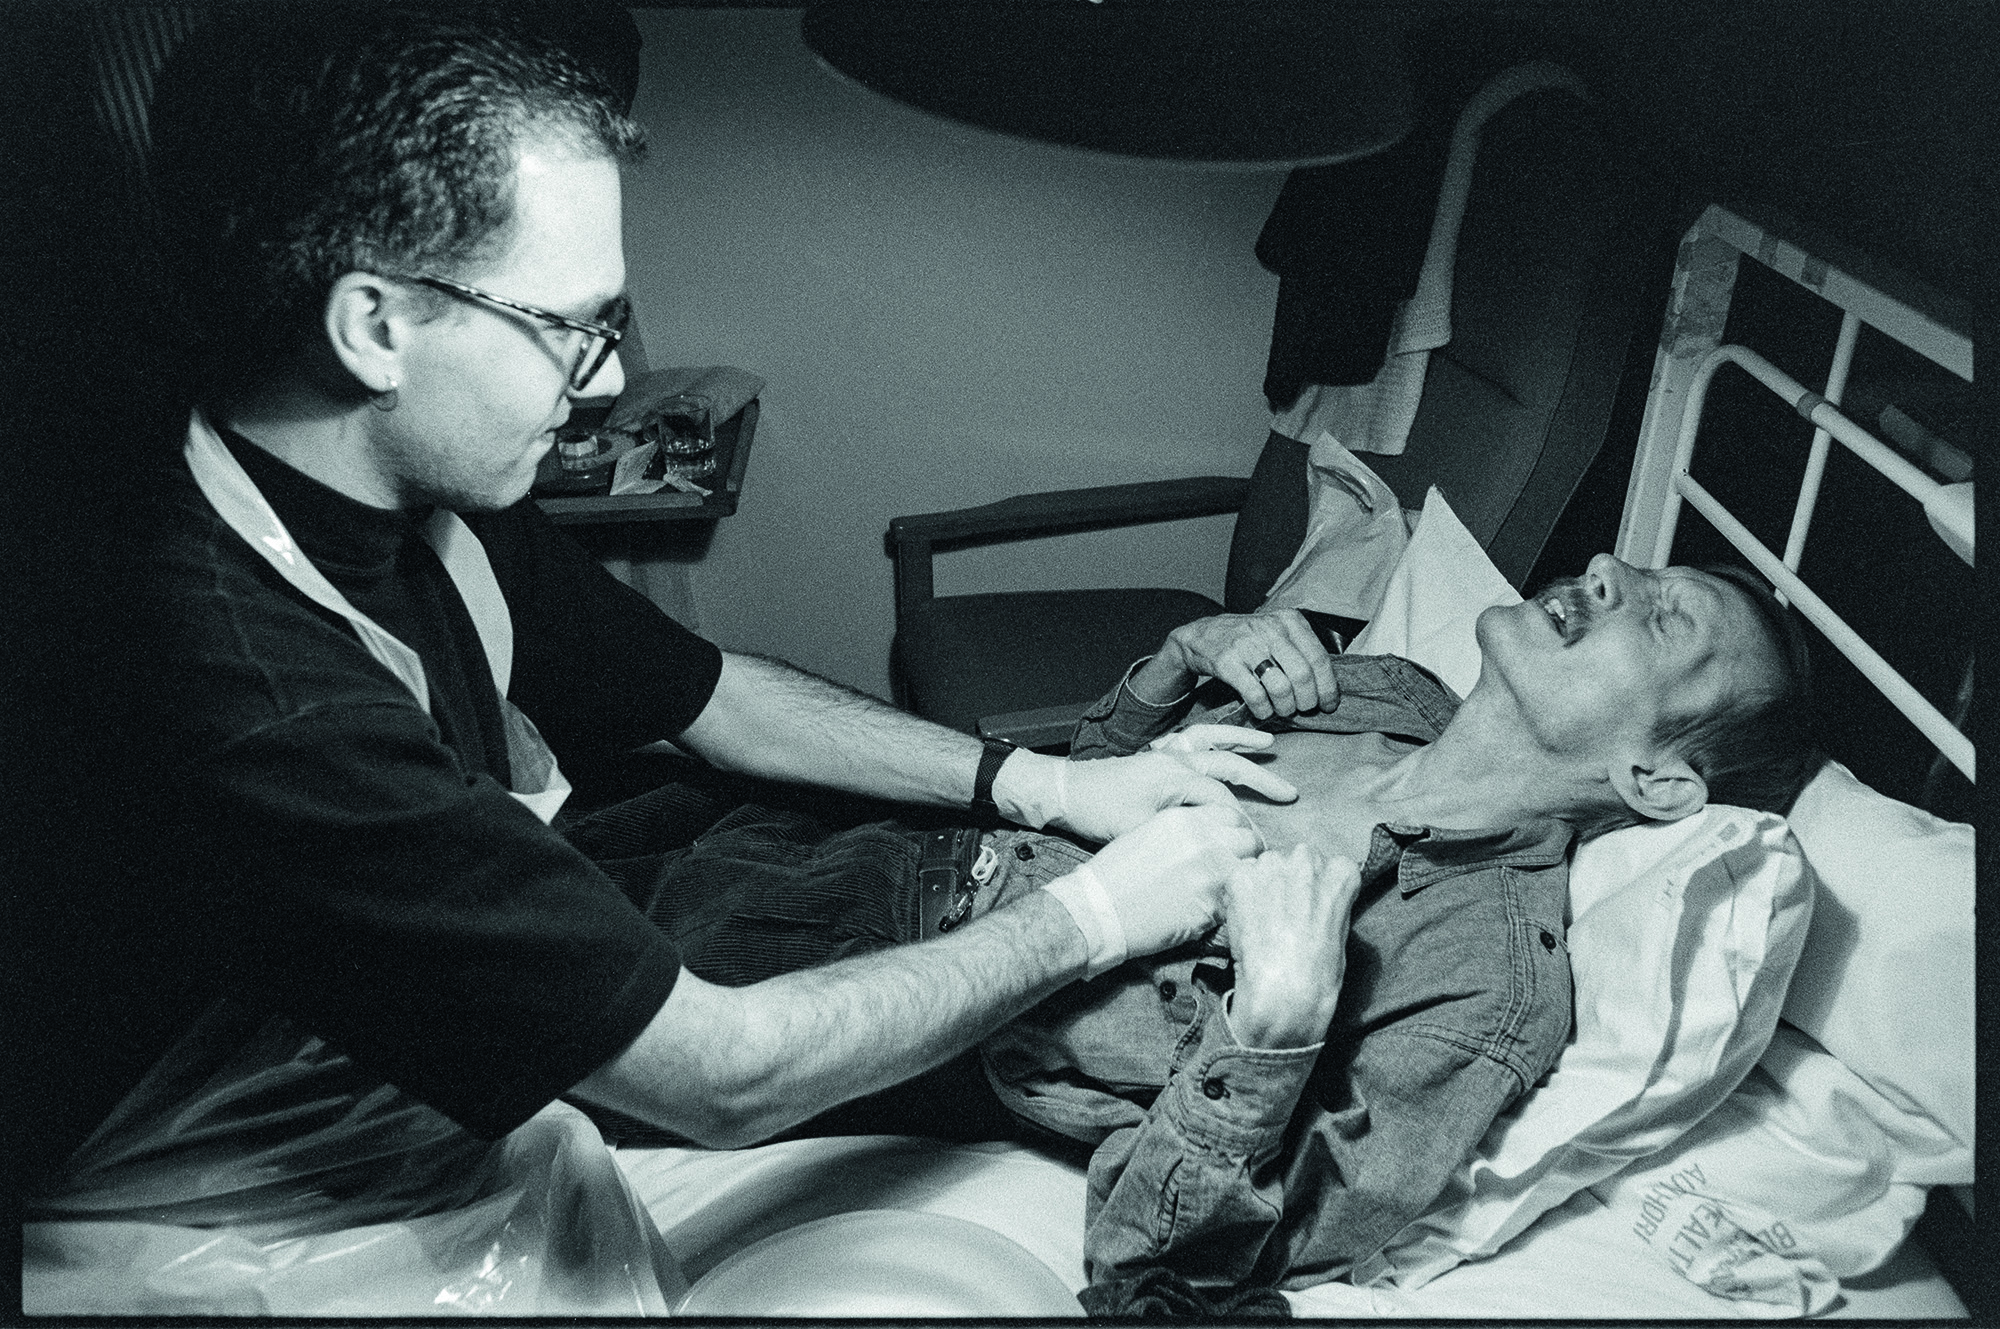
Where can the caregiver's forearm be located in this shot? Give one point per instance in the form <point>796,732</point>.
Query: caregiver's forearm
<point>767,718</point>
<point>730,1066</point>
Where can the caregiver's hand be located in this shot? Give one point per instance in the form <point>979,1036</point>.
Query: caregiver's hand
<point>1102,799</point>
<point>1157,885</point>
<point>1272,660</point>
<point>1210,749</point>
<point>1288,916</point>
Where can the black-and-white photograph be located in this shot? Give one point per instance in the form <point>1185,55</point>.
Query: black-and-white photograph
<point>1049,660</point>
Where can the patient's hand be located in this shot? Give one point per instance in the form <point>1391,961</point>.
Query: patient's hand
<point>1273,660</point>
<point>1288,917</point>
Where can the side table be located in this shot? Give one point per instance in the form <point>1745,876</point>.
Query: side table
<point>732,455</point>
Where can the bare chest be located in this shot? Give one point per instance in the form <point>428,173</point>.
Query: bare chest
<point>1336,812</point>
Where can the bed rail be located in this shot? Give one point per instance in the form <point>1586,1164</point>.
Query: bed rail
<point>1690,354</point>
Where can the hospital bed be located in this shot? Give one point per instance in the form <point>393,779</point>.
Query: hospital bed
<point>1768,1172</point>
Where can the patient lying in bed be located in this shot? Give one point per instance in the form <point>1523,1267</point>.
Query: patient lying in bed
<point>1272,1109</point>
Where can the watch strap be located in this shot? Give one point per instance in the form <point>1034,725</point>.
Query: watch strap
<point>995,752</point>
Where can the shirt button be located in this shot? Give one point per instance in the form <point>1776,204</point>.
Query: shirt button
<point>1213,1087</point>
<point>1024,852</point>
<point>1169,990</point>
<point>1548,940</point>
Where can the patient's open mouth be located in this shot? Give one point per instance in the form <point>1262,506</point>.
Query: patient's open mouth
<point>1558,615</point>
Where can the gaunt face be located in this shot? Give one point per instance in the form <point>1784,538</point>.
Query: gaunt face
<point>1597,661</point>
<point>486,387</point>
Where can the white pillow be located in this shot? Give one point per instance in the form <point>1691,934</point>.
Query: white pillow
<point>1434,596</point>
<point>1776,1194</point>
<point>1887,985</point>
<point>1816,1168</point>
<point>1683,938</point>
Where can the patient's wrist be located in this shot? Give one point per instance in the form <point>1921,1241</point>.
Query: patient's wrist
<point>1158,682</point>
<point>1278,1022</point>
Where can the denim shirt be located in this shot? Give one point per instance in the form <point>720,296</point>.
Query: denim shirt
<point>1231,1164</point>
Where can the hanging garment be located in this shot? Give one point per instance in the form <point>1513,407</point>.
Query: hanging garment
<point>1375,416</point>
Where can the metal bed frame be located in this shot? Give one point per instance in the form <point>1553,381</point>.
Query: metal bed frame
<point>1691,351</point>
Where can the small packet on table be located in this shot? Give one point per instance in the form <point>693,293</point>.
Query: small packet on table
<point>631,474</point>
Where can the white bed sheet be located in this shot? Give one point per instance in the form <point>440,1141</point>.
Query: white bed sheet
<point>1574,1263</point>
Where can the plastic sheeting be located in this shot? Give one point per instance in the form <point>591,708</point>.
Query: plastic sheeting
<point>256,1171</point>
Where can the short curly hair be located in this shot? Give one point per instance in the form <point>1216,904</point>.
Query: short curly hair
<point>292,148</point>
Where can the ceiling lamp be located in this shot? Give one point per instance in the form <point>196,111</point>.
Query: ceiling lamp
<point>1246,83</point>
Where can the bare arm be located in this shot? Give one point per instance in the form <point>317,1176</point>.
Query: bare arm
<point>730,1066</point>
<point>727,1066</point>
<point>767,718</point>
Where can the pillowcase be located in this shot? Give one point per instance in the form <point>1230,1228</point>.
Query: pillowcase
<point>1775,1195</point>
<point>1893,939</point>
<point>1816,1168</point>
<point>1433,597</point>
<point>1684,936</point>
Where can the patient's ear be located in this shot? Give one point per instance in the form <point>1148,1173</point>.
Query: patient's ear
<point>1662,789</point>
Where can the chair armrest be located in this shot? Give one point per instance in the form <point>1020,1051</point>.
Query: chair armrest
<point>1066,509</point>
<point>1043,727</point>
<point>912,539</point>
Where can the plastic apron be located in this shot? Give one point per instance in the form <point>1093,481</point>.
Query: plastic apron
<point>257,1170</point>
<point>228,488</point>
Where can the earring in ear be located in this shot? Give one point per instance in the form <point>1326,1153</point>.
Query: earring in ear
<point>386,400</point>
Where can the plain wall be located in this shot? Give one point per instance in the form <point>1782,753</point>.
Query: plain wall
<point>943,316</point>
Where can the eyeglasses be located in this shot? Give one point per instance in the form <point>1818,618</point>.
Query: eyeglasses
<point>599,341</point>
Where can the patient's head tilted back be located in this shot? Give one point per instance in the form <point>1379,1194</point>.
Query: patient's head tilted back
<point>1619,696</point>
<point>1636,694</point>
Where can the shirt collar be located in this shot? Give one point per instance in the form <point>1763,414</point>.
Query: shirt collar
<point>1424,854</point>
<point>1375,693</point>
<point>341,536</point>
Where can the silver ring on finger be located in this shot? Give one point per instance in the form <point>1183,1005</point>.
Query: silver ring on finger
<point>1257,670</point>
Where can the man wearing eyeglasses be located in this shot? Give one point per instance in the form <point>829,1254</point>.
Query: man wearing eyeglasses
<point>303,811</point>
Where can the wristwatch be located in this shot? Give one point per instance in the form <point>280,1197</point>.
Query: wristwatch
<point>997,750</point>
